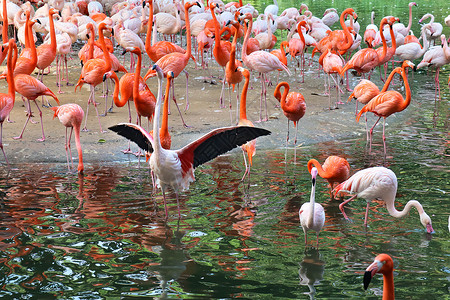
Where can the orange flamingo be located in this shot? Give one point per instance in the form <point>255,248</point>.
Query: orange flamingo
<point>383,264</point>
<point>92,73</point>
<point>262,62</point>
<point>297,48</point>
<point>161,48</point>
<point>341,40</point>
<point>388,102</point>
<point>335,169</point>
<point>175,169</point>
<point>281,54</point>
<point>249,147</point>
<point>390,51</point>
<point>177,62</point>
<point>293,105</point>
<point>221,49</point>
<point>46,53</point>
<point>7,100</point>
<point>232,75</point>
<point>71,115</point>
<point>26,64</point>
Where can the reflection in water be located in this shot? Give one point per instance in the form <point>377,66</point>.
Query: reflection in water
<point>311,271</point>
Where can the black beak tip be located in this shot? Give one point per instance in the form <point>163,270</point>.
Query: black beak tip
<point>104,77</point>
<point>38,21</point>
<point>124,51</point>
<point>313,181</point>
<point>415,68</point>
<point>367,279</point>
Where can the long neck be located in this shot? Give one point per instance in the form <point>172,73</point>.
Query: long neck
<point>388,286</point>
<point>410,18</point>
<point>10,74</point>
<point>372,15</point>
<point>165,119</point>
<point>389,79</point>
<point>243,104</point>
<point>383,39</point>
<point>105,50</point>
<point>246,37</point>
<point>407,91</point>
<point>400,214</point>
<point>312,201</point>
<point>156,140</point>
<point>425,43</point>
<point>91,43</point>
<point>52,32</point>
<point>154,35</point>
<point>27,33</point>
<point>137,76</point>
<point>315,163</point>
<point>233,48</point>
<point>269,30</point>
<point>300,34</point>
<point>393,40</point>
<point>188,33</point>
<point>5,23</point>
<point>283,52</point>
<point>348,35</point>
<point>148,38</point>
<point>117,101</point>
<point>216,29</point>
<point>31,41</point>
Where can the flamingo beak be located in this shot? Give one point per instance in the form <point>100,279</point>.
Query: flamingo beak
<point>430,229</point>
<point>370,272</point>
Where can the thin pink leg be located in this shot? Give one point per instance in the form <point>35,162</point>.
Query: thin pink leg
<point>367,214</point>
<point>42,123</point>
<point>26,122</point>
<point>341,206</point>
<point>1,144</point>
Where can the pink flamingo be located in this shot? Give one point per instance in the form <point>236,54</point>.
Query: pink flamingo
<point>71,115</point>
<point>175,168</point>
<point>262,62</point>
<point>379,183</point>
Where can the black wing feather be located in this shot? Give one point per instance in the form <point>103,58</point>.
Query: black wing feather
<point>225,141</point>
<point>135,134</point>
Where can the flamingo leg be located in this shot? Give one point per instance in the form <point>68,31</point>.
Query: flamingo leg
<point>42,123</point>
<point>341,206</point>
<point>384,137</point>
<point>317,243</point>
<point>367,214</point>
<point>165,204</point>
<point>69,146</point>
<point>1,144</point>
<point>175,100</point>
<point>371,134</point>
<point>237,104</point>
<point>221,105</point>
<point>287,140</point>
<point>187,91</point>
<point>295,143</point>
<point>247,169</point>
<point>26,122</point>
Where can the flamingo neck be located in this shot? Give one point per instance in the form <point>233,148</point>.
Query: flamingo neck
<point>312,202</point>
<point>216,28</point>
<point>389,79</point>
<point>300,34</point>
<point>91,44</point>
<point>31,42</point>
<point>320,170</point>
<point>283,51</point>
<point>106,56</point>
<point>400,214</point>
<point>372,16</point>
<point>10,74</point>
<point>388,286</point>
<point>269,31</point>
<point>407,91</point>
<point>5,24</point>
<point>277,93</point>
<point>410,18</point>
<point>148,38</point>
<point>156,140</point>
<point>233,48</point>
<point>188,32</point>
<point>246,37</point>
<point>348,35</point>
<point>243,104</point>
<point>117,101</point>
<point>383,39</point>
<point>52,32</point>
<point>137,75</point>
<point>393,40</point>
<point>165,119</point>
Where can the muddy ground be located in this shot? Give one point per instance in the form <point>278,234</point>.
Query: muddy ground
<point>318,125</point>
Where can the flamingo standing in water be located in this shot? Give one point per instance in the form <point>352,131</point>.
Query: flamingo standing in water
<point>293,105</point>
<point>71,115</point>
<point>7,100</point>
<point>335,169</point>
<point>379,183</point>
<point>262,62</point>
<point>383,264</point>
<point>311,214</point>
<point>175,168</point>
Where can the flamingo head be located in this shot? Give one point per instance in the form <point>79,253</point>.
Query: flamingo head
<point>409,64</point>
<point>426,221</point>
<point>314,173</point>
<point>383,264</point>
<point>411,4</point>
<point>158,70</point>
<point>244,72</point>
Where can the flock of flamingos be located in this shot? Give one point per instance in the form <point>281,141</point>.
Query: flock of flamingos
<point>213,25</point>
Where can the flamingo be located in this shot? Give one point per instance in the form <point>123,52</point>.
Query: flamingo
<point>177,62</point>
<point>7,100</point>
<point>92,73</point>
<point>4,50</point>
<point>249,147</point>
<point>387,103</point>
<point>332,64</point>
<point>330,16</point>
<point>434,30</point>
<point>232,75</point>
<point>379,183</point>
<point>175,168</point>
<point>262,62</point>
<point>335,169</point>
<point>385,56</point>
<point>297,47</point>
<point>311,214</point>
<point>341,40</point>
<point>435,57</point>
<point>371,31</point>
<point>293,105</point>
<point>27,63</point>
<point>363,92</point>
<point>46,53</point>
<point>383,264</point>
<point>71,115</point>
<point>412,51</point>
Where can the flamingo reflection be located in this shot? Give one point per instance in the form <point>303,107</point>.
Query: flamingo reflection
<point>311,270</point>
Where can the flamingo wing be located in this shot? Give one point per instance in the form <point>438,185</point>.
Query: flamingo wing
<point>135,133</point>
<point>217,142</point>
